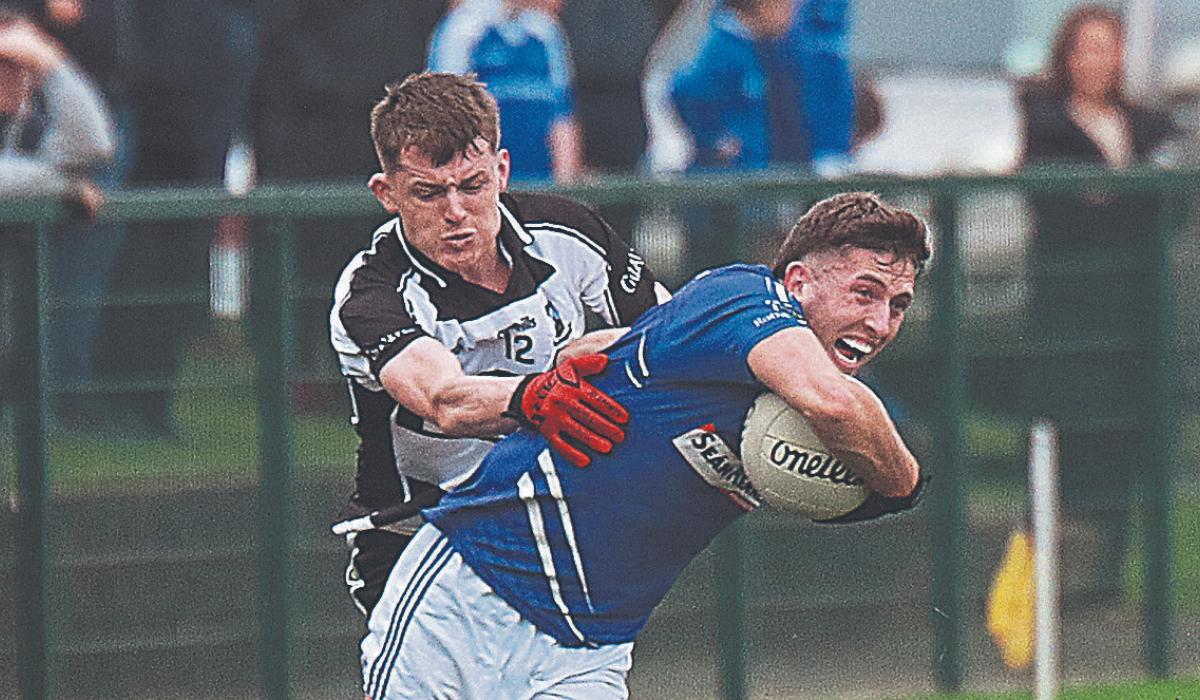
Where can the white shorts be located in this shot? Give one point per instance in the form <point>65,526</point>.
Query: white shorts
<point>440,632</point>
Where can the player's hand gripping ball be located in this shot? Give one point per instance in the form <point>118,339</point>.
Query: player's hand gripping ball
<point>791,469</point>
<point>564,407</point>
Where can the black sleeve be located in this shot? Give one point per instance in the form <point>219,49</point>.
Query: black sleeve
<point>373,317</point>
<point>630,281</point>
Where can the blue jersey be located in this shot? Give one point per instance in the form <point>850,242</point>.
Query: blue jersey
<point>586,554</point>
<point>525,61</point>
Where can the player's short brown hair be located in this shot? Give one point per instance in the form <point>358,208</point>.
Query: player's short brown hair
<point>440,113</point>
<point>855,220</point>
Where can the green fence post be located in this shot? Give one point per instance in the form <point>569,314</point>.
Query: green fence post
<point>731,614</point>
<point>272,276</point>
<point>947,497</point>
<point>1157,482</point>
<point>31,357</point>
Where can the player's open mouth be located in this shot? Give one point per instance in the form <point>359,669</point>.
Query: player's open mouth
<point>852,351</point>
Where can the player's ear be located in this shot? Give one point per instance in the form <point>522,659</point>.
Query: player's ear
<point>383,191</point>
<point>796,276</point>
<point>503,168</point>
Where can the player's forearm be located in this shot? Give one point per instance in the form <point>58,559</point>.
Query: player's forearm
<point>844,414</point>
<point>473,406</point>
<point>860,433</point>
<point>428,380</point>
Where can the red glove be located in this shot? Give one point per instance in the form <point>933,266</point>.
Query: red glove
<point>560,404</point>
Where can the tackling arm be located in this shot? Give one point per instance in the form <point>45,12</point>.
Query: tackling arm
<point>847,416</point>
<point>428,380</point>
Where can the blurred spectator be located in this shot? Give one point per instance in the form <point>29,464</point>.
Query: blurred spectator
<point>56,131</point>
<point>1079,112</point>
<point>771,86</point>
<point>54,125</point>
<point>518,48</point>
<point>608,78</point>
<point>1100,247</point>
<point>189,97</point>
<point>99,35</point>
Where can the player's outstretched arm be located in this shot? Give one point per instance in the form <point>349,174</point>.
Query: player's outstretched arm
<point>561,404</point>
<point>427,379</point>
<point>847,416</point>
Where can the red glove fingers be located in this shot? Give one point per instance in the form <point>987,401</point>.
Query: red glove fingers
<point>601,403</point>
<point>573,454</point>
<point>560,404</point>
<point>582,423</point>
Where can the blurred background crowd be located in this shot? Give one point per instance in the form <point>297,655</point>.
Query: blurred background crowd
<point>201,92</point>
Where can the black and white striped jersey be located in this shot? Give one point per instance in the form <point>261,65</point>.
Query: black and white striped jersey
<point>565,259</point>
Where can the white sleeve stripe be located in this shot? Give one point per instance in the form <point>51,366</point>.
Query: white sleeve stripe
<point>612,307</point>
<point>632,379</point>
<point>641,355</point>
<point>564,512</point>
<point>527,493</point>
<point>781,292</point>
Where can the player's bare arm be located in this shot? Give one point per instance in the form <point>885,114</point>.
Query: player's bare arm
<point>595,341</point>
<point>560,403</point>
<point>428,380</point>
<point>847,416</point>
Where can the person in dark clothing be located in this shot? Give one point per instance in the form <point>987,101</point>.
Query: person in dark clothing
<point>189,97</point>
<point>1093,273</point>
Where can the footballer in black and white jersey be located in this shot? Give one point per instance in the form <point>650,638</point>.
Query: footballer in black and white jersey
<point>565,261</point>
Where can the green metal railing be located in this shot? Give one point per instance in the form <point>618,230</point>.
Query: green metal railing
<point>24,232</point>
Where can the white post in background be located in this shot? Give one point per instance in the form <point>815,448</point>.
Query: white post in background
<point>1043,495</point>
<point>1141,30</point>
<point>228,288</point>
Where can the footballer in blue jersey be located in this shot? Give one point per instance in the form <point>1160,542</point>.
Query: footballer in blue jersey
<point>533,577</point>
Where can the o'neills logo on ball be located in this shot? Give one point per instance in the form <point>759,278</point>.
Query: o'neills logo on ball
<point>811,463</point>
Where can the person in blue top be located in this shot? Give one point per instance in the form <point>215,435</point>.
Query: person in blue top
<point>770,86</point>
<point>519,50</point>
<point>533,577</point>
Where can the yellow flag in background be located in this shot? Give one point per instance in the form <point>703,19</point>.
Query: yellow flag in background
<point>1010,610</point>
